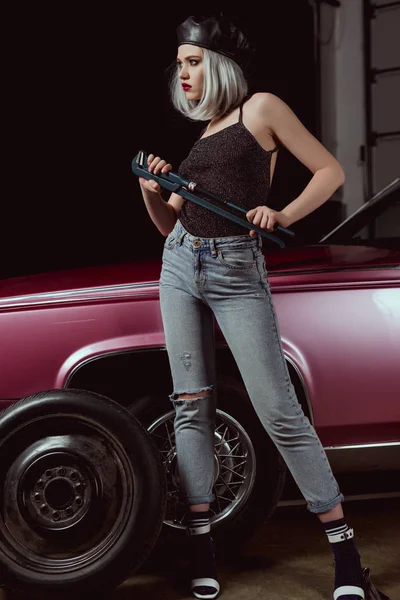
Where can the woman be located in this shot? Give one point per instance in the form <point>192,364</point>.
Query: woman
<point>212,267</point>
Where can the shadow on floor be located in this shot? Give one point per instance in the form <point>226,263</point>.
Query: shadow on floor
<point>289,559</point>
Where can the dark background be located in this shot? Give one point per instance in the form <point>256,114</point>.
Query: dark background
<point>87,89</point>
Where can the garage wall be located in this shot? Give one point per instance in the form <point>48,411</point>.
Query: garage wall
<point>385,94</point>
<point>343,95</point>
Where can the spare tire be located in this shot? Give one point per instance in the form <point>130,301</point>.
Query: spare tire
<point>83,493</point>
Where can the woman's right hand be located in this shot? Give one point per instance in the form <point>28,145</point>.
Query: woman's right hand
<point>155,165</point>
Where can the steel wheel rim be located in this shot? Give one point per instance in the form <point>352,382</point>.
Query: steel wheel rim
<point>59,555</point>
<point>234,472</point>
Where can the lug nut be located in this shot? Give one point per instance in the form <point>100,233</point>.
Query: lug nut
<point>40,484</point>
<point>78,487</point>
<point>56,516</point>
<point>74,475</point>
<point>44,509</point>
<point>49,473</point>
<point>78,501</point>
<point>69,511</point>
<point>37,497</point>
<point>62,472</point>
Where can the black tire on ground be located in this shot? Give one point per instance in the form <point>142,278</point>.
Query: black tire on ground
<point>231,528</point>
<point>83,494</point>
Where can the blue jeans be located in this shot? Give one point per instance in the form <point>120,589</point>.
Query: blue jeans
<point>225,278</point>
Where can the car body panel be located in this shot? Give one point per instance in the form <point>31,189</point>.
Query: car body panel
<point>338,309</point>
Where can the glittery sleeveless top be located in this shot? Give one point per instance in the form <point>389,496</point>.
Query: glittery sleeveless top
<point>231,164</point>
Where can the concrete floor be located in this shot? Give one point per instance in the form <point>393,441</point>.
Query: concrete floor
<point>289,559</point>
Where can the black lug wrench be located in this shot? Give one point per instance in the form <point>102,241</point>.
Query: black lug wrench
<point>175,183</point>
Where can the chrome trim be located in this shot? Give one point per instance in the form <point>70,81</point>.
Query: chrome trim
<point>46,298</point>
<point>373,457</point>
<point>324,287</point>
<point>358,446</point>
<point>349,498</point>
<point>336,270</point>
<point>68,295</point>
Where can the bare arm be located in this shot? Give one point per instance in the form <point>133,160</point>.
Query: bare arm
<point>328,173</point>
<point>163,214</point>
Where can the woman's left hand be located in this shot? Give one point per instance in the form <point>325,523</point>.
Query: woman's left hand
<point>266,218</point>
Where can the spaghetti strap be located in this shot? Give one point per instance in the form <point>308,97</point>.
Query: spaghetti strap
<point>241,113</point>
<point>241,121</point>
<point>241,108</point>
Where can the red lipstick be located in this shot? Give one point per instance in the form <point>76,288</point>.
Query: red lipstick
<point>186,86</point>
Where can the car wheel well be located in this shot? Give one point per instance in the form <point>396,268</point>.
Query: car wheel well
<point>129,375</point>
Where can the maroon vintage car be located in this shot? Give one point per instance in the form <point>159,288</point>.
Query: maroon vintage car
<point>74,339</point>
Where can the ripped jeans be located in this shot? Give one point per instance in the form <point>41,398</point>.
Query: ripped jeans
<point>225,278</point>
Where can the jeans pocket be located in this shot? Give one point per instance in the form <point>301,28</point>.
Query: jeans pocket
<point>237,258</point>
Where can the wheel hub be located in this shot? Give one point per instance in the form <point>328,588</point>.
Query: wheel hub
<point>56,488</point>
<point>67,496</point>
<point>59,497</point>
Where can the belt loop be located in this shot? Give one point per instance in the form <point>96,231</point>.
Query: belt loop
<point>180,238</point>
<point>212,246</point>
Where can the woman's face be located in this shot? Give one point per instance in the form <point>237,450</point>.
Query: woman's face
<point>190,70</point>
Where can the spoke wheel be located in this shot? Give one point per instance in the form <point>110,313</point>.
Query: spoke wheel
<point>249,473</point>
<point>234,468</point>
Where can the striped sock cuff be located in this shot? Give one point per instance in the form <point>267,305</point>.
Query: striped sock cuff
<point>198,523</point>
<point>338,531</point>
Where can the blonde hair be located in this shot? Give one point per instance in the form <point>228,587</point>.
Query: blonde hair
<point>224,88</point>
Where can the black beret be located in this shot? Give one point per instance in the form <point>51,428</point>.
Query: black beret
<point>219,34</point>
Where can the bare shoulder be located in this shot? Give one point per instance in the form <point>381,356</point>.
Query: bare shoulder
<point>266,107</point>
<point>284,125</point>
<point>264,100</point>
<point>258,118</point>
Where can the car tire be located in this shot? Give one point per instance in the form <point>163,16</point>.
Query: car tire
<point>234,525</point>
<point>84,494</point>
